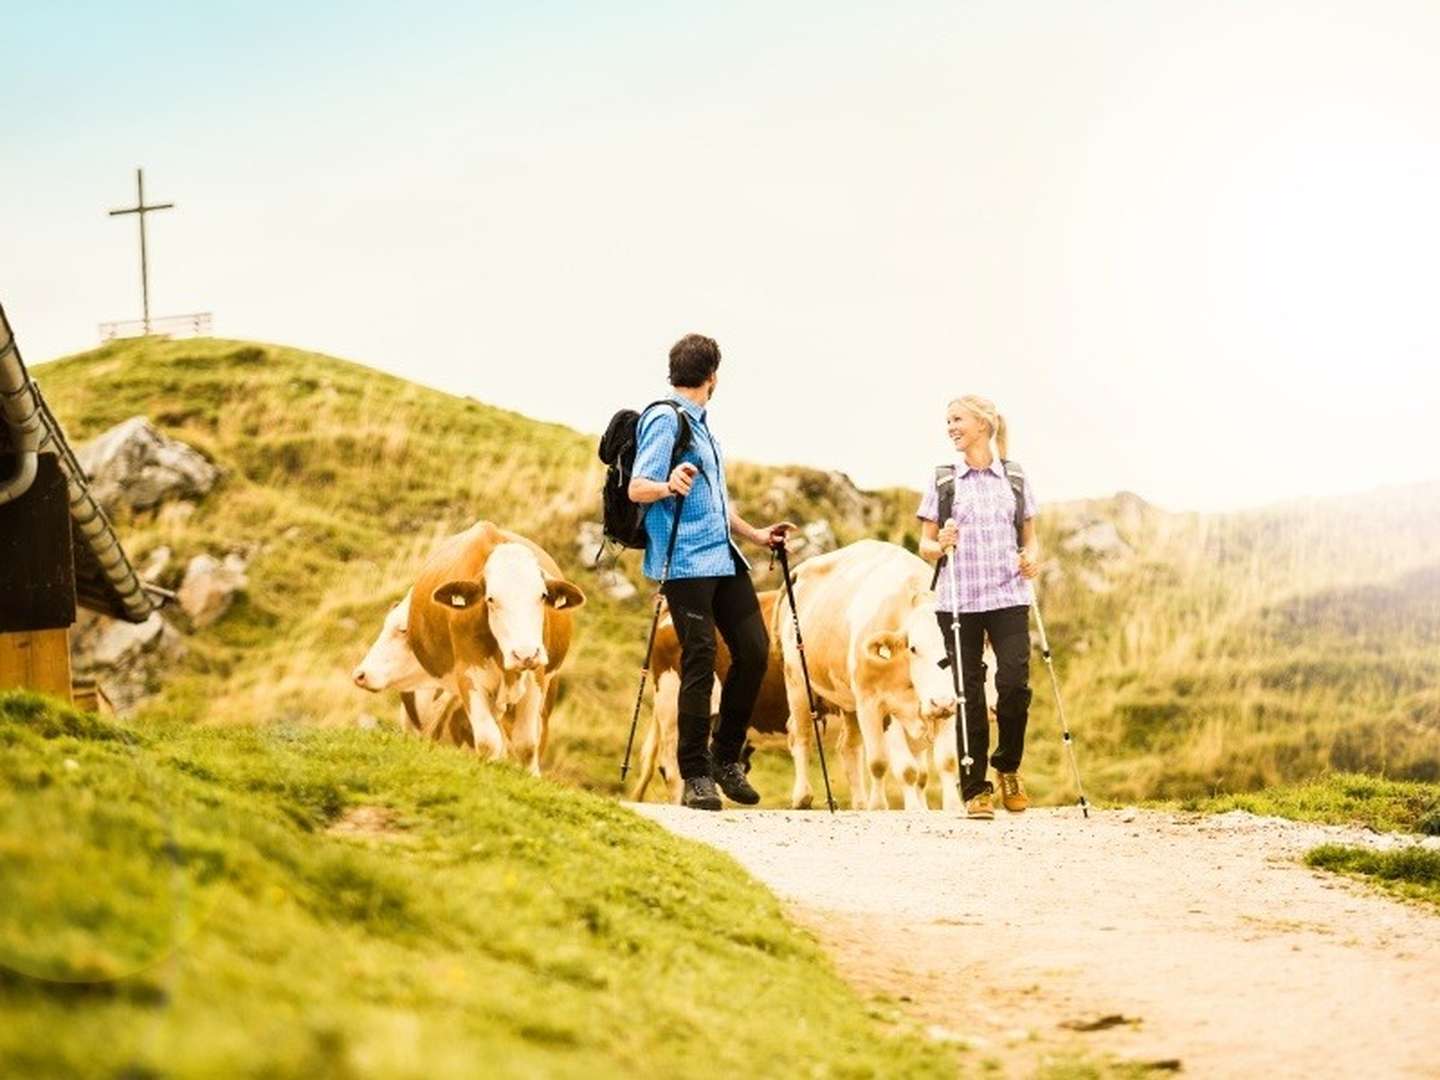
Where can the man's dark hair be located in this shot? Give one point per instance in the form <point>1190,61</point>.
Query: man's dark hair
<point>693,359</point>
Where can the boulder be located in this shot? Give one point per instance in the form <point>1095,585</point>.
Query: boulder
<point>210,587</point>
<point>814,538</point>
<point>125,659</point>
<point>134,466</point>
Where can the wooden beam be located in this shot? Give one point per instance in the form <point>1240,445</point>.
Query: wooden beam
<point>37,660</point>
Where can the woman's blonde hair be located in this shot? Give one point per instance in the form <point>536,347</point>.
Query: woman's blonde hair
<point>984,409</point>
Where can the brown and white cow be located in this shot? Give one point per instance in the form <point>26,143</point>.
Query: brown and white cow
<point>771,715</point>
<point>428,708</point>
<point>875,654</point>
<point>490,617</point>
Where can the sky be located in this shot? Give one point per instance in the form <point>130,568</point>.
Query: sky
<point>1191,251</point>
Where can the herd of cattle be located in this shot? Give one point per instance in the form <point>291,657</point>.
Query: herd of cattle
<point>476,644</point>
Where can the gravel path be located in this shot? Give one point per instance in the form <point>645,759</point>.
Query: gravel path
<point>1205,934</point>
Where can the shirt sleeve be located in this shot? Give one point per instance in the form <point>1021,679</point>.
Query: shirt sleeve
<point>655,442</point>
<point>1029,500</point>
<point>930,504</point>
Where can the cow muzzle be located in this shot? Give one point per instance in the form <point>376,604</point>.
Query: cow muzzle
<point>519,660</point>
<point>360,679</point>
<point>939,708</point>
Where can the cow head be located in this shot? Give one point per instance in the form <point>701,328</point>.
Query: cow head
<point>512,594</point>
<point>905,665</point>
<point>391,664</point>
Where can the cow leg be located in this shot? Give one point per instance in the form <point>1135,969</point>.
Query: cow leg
<point>667,721</point>
<point>649,751</point>
<point>904,766</point>
<point>525,730</point>
<point>852,759</point>
<point>489,742</point>
<point>797,736</point>
<point>877,758</point>
<point>947,765</point>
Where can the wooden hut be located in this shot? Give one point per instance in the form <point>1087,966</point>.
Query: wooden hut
<point>58,550</point>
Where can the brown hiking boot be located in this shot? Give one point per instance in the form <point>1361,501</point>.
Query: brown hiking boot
<point>1012,792</point>
<point>981,807</point>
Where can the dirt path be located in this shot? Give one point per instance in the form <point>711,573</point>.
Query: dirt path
<point>1218,948</point>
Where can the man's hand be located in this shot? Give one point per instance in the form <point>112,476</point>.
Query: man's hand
<point>774,536</point>
<point>1029,567</point>
<point>948,536</point>
<point>682,479</point>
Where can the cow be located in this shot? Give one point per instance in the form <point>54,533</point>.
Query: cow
<point>875,654</point>
<point>490,617</point>
<point>429,709</point>
<point>771,715</point>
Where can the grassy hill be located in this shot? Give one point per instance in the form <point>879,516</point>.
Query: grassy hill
<point>181,900</point>
<point>1225,654</point>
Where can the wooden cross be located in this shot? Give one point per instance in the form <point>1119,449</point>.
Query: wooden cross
<point>141,209</point>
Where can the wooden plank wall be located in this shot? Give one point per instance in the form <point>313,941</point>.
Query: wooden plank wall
<point>36,660</point>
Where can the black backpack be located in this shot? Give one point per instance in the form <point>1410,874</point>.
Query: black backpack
<point>624,518</point>
<point>945,488</point>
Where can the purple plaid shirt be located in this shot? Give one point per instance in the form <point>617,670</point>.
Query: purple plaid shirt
<point>987,567</point>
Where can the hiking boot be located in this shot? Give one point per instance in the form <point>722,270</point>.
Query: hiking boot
<point>731,779</point>
<point>1012,792</point>
<point>981,807</point>
<point>700,794</point>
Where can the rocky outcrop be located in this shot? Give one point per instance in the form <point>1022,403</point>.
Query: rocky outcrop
<point>125,659</point>
<point>136,467</point>
<point>210,587</point>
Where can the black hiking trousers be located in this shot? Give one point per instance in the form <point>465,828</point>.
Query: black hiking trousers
<point>698,606</point>
<point>1009,632</point>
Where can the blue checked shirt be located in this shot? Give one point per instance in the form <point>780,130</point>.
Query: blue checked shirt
<point>703,548</point>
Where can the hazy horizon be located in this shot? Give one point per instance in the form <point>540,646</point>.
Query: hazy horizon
<point>1188,253</point>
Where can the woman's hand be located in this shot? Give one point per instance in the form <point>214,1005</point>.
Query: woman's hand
<point>682,479</point>
<point>948,536</point>
<point>1029,565</point>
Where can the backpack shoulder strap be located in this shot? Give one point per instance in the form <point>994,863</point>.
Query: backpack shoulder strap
<point>682,439</point>
<point>945,495</point>
<point>1016,475</point>
<point>945,490</point>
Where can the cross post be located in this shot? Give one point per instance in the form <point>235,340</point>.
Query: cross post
<point>140,209</point>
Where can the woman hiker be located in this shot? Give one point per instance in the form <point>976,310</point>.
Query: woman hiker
<point>709,585</point>
<point>979,512</point>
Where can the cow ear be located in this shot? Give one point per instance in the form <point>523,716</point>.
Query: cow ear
<point>884,646</point>
<point>561,594</point>
<point>459,594</point>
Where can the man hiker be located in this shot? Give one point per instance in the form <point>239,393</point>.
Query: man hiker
<point>708,587</point>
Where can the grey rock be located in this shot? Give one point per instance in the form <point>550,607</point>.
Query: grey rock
<point>210,587</point>
<point>134,466</point>
<point>125,659</point>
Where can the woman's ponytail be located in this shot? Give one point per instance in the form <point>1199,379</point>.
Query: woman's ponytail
<point>1002,438</point>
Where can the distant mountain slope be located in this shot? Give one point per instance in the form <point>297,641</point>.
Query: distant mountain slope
<point>1197,652</point>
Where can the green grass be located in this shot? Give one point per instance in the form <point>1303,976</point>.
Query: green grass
<point>1234,653</point>
<point>1412,872</point>
<point>173,901</point>
<point>1342,799</point>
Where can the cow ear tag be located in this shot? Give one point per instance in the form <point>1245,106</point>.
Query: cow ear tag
<point>884,652</point>
<point>456,600</point>
<point>560,602</point>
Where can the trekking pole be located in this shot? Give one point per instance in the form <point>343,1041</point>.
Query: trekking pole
<point>960,716</point>
<point>1060,709</point>
<point>778,551</point>
<point>650,644</point>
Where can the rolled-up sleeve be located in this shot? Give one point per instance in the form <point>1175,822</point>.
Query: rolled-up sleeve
<point>655,441</point>
<point>930,504</point>
<point>1029,500</point>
